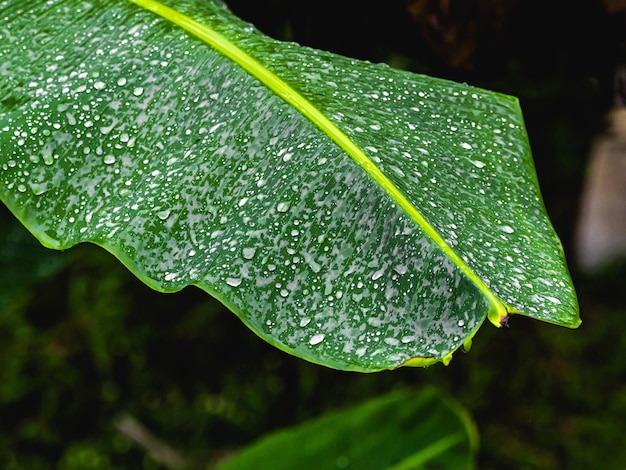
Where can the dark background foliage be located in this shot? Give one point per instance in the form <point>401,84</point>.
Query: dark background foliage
<point>84,344</point>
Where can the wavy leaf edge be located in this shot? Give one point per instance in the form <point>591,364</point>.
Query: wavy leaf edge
<point>498,311</point>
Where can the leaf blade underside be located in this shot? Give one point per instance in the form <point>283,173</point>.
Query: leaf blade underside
<point>191,171</point>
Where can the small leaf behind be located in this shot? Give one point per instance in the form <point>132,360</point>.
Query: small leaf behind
<point>402,430</point>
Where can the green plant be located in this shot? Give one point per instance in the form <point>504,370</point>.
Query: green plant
<point>349,213</point>
<point>354,215</point>
<point>400,431</point>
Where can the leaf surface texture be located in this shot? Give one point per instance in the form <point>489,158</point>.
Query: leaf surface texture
<point>121,128</point>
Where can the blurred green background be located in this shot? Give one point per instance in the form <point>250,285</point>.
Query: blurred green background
<point>84,344</point>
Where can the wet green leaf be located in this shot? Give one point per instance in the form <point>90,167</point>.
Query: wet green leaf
<point>351,214</point>
<point>403,430</point>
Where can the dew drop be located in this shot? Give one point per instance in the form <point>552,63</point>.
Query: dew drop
<point>466,146</point>
<point>248,253</point>
<point>233,281</point>
<point>99,85</point>
<point>478,164</point>
<point>305,321</point>
<point>109,159</point>
<point>461,323</point>
<point>282,207</point>
<point>316,339</point>
<point>138,91</point>
<point>506,229</point>
<point>164,214</point>
<point>121,81</point>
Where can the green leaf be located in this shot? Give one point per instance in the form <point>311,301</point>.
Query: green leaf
<point>351,214</point>
<point>402,430</point>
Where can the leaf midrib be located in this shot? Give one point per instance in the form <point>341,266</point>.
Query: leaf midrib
<point>306,108</point>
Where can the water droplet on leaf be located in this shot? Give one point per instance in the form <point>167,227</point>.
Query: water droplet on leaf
<point>282,207</point>
<point>164,214</point>
<point>316,339</point>
<point>248,253</point>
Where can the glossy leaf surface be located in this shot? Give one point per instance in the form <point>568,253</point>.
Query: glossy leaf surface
<point>403,430</point>
<point>355,215</point>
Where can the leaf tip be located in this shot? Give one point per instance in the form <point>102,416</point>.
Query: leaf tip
<point>499,315</point>
<point>575,323</point>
